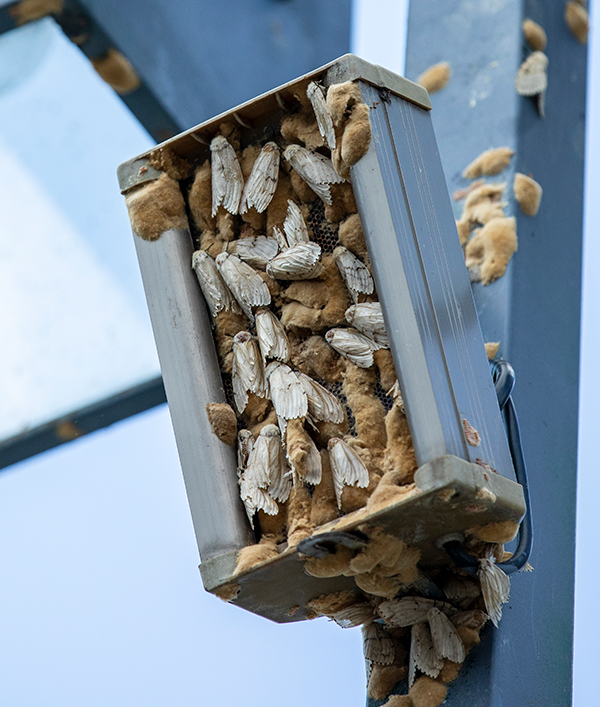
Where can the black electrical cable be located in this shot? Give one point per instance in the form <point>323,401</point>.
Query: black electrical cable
<point>504,381</point>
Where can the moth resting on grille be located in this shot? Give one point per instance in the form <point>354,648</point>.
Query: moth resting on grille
<point>256,250</point>
<point>272,338</point>
<point>347,467</point>
<point>323,406</point>
<point>324,121</point>
<point>355,273</point>
<point>294,226</point>
<point>262,182</point>
<point>353,345</point>
<point>315,169</point>
<point>215,291</point>
<point>246,285</point>
<point>265,478</point>
<point>300,262</point>
<point>226,176</point>
<point>248,375</point>
<point>287,392</point>
<point>368,319</point>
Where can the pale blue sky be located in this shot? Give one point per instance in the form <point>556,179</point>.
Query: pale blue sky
<point>102,602</point>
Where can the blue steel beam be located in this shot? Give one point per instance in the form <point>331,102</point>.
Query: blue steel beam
<point>534,310</point>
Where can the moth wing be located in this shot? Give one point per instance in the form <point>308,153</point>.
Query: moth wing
<point>402,612</point>
<point>422,651</point>
<point>318,168</point>
<point>322,404</point>
<point>287,393</point>
<point>240,391</point>
<point>324,121</point>
<point>408,610</point>
<point>250,362</point>
<point>347,468</point>
<point>258,469</point>
<point>295,226</point>
<point>354,346</point>
<point>354,615</point>
<point>473,618</point>
<point>262,181</point>
<point>272,338</point>
<point>378,646</point>
<point>227,179</point>
<point>495,588</point>
<point>300,262</point>
<point>246,284</point>
<point>313,466</point>
<point>215,291</point>
<point>281,483</point>
<point>531,76</point>
<point>368,319</point>
<point>280,238</point>
<point>355,273</point>
<point>245,446</point>
<point>256,251</point>
<point>447,642</point>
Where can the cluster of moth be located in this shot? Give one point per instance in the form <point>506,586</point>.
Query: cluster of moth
<point>315,407</point>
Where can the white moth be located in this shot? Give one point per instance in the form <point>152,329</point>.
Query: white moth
<point>267,468</point>
<point>315,169</point>
<point>246,285</point>
<point>368,319</point>
<point>347,468</point>
<point>355,273</point>
<point>215,291</point>
<point>353,345</point>
<point>255,499</point>
<point>287,393</point>
<point>324,121</point>
<point>354,615</point>
<point>532,78</point>
<point>256,251</point>
<point>262,181</point>
<point>422,653</point>
<point>473,618</point>
<point>252,495</point>
<point>314,471</point>
<point>410,610</point>
<point>280,238</point>
<point>272,338</point>
<point>294,225</point>
<point>248,374</point>
<point>300,262</point>
<point>226,176</point>
<point>495,587</point>
<point>322,405</point>
<point>245,445</point>
<point>378,646</point>
<point>446,641</point>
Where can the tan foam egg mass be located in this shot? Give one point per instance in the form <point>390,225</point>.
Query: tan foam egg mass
<point>576,17</point>
<point>528,193</point>
<point>491,349</point>
<point>427,692</point>
<point>535,35</point>
<point>223,422</point>
<point>435,77</point>
<point>489,163</point>
<point>491,248</point>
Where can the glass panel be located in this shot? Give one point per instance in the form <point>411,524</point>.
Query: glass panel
<point>73,321</point>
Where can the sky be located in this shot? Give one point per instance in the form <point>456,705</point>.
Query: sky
<point>102,602</point>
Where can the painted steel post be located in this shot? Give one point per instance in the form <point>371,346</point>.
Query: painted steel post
<point>533,311</point>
